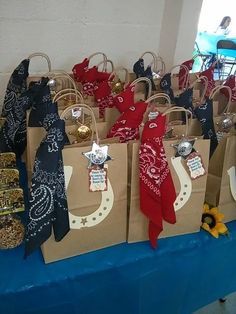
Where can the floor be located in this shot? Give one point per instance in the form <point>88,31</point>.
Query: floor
<point>229,307</point>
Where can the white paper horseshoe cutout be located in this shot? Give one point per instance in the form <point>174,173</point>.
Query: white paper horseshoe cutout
<point>185,183</point>
<point>78,222</point>
<point>232,181</point>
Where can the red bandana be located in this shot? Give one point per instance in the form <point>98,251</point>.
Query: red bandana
<point>127,126</point>
<point>157,191</point>
<point>125,99</point>
<point>79,70</point>
<point>230,82</point>
<point>209,73</point>
<point>182,72</point>
<point>103,97</point>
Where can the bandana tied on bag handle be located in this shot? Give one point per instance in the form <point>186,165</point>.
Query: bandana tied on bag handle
<point>157,191</point>
<point>47,202</point>
<point>182,72</point>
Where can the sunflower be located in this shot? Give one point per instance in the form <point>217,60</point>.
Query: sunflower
<point>212,221</point>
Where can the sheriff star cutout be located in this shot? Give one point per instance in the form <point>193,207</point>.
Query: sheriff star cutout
<point>98,155</point>
<point>184,148</point>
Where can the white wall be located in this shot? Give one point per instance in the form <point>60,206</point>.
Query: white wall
<point>187,31</point>
<point>69,30</point>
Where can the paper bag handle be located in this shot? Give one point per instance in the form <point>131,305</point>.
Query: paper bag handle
<point>120,69</point>
<point>104,58</point>
<point>91,112</point>
<point>163,66</point>
<point>105,62</point>
<point>146,80</point>
<point>68,79</point>
<point>186,111</point>
<point>68,92</point>
<point>159,95</point>
<point>198,80</point>
<point>43,55</point>
<point>215,91</point>
<point>183,66</point>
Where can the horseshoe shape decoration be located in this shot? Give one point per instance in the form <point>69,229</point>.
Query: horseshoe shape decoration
<point>232,181</point>
<point>185,183</point>
<point>78,222</point>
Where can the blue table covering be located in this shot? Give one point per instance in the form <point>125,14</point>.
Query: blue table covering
<point>207,44</point>
<point>182,275</point>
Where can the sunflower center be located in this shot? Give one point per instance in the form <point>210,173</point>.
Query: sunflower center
<point>209,219</point>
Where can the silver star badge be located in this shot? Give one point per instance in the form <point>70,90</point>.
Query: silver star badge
<point>184,148</point>
<point>98,155</point>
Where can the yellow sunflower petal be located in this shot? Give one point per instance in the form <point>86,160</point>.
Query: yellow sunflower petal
<point>214,233</point>
<point>221,228</point>
<point>206,227</point>
<point>205,208</point>
<point>219,217</point>
<point>214,211</point>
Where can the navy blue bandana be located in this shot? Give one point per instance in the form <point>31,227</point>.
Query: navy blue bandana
<point>16,86</point>
<point>48,203</point>
<point>13,132</point>
<point>140,71</point>
<point>204,114</point>
<point>165,85</point>
<point>185,100</point>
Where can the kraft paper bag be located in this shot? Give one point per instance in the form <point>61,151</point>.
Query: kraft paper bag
<point>221,180</point>
<point>97,219</point>
<point>36,134</point>
<point>190,194</point>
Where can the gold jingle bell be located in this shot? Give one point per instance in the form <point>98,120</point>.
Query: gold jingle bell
<point>83,133</point>
<point>117,87</point>
<point>12,231</point>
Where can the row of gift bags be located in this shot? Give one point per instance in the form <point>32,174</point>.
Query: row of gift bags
<point>102,219</point>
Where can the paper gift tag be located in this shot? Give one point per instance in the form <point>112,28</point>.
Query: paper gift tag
<point>195,165</point>
<point>97,179</point>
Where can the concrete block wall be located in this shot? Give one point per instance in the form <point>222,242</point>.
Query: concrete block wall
<point>70,30</point>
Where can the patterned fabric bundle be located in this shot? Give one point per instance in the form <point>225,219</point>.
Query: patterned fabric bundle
<point>48,203</point>
<point>182,72</point>
<point>13,132</point>
<point>157,192</point>
<point>16,86</point>
<point>209,73</point>
<point>103,97</point>
<point>140,71</point>
<point>165,85</point>
<point>230,82</point>
<point>204,114</point>
<point>125,99</point>
<point>127,126</point>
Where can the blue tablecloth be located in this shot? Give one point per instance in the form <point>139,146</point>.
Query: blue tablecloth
<point>207,43</point>
<point>182,275</point>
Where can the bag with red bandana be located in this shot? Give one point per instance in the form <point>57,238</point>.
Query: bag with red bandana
<point>167,181</point>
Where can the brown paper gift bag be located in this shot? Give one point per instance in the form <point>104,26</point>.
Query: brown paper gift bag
<point>36,134</point>
<point>97,219</point>
<point>221,182</point>
<point>190,193</point>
